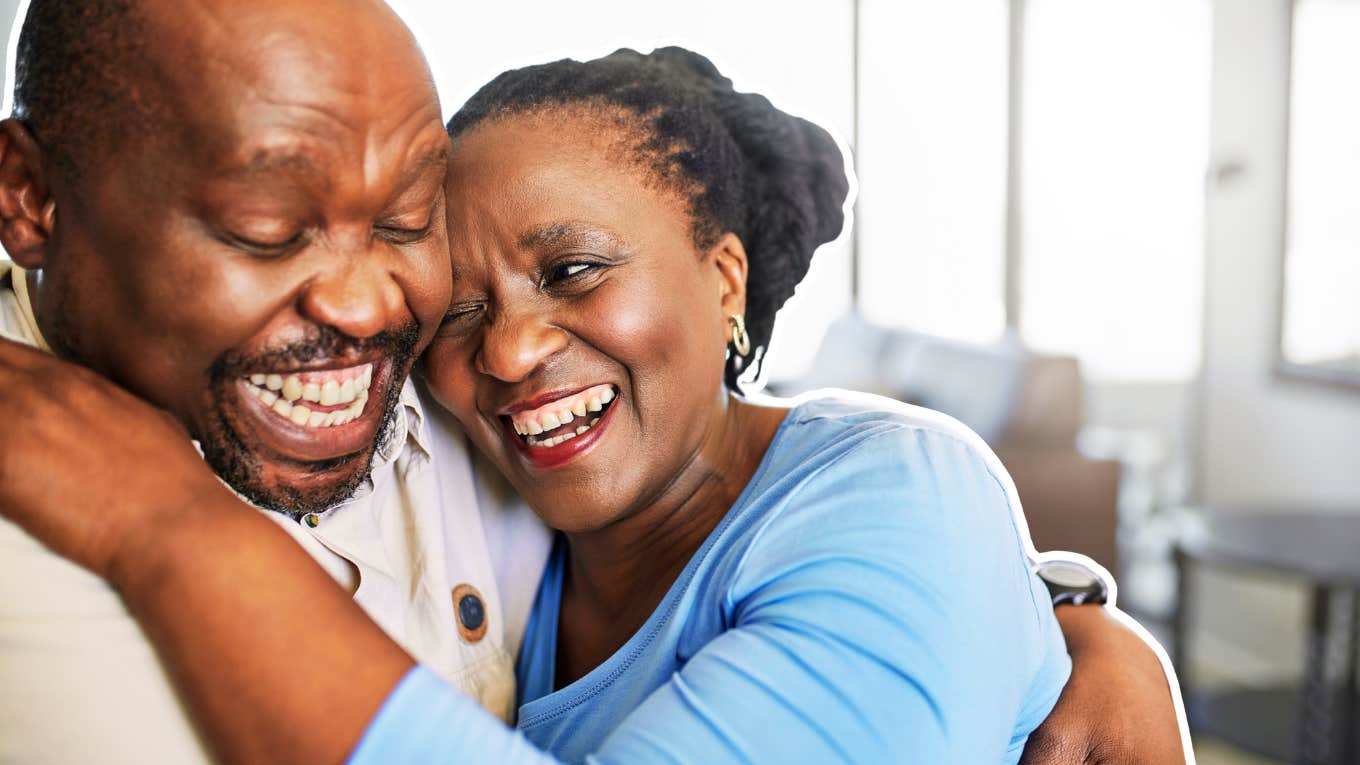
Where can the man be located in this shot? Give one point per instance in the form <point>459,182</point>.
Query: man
<point>241,223</point>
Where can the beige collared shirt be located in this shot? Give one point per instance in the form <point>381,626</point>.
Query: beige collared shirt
<point>80,683</point>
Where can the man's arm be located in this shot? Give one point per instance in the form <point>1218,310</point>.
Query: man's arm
<point>1118,707</point>
<point>276,662</point>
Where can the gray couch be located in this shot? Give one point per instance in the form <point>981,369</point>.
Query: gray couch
<point>1028,407</point>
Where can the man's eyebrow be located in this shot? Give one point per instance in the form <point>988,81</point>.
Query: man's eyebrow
<point>271,161</point>
<point>567,233</point>
<point>434,158</point>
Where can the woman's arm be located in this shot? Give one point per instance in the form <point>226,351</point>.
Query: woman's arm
<point>277,662</point>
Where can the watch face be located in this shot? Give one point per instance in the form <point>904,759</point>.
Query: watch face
<point>1067,575</point>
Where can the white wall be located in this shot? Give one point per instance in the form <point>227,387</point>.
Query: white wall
<point>8,9</point>
<point>1264,440</point>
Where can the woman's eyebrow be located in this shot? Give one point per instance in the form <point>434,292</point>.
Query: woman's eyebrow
<point>567,233</point>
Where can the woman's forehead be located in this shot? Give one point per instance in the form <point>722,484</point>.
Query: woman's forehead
<point>538,174</point>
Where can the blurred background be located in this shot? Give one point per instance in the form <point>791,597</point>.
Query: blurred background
<point>1118,238</point>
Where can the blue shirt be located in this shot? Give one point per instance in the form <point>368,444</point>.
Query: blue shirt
<point>868,598</point>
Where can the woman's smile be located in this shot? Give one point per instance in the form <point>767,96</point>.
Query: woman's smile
<point>555,428</point>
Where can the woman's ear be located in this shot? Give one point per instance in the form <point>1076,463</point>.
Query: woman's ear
<point>27,211</point>
<point>729,257</point>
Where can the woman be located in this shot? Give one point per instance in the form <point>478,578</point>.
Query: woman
<point>837,580</point>
<point>621,227</point>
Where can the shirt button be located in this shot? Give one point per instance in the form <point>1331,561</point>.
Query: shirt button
<point>311,520</point>
<point>470,612</point>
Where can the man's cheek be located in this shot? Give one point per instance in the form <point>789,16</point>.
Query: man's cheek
<point>428,286</point>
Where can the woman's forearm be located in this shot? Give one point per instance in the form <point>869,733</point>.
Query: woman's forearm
<point>276,662</point>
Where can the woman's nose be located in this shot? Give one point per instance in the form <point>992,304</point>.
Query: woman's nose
<point>513,347</point>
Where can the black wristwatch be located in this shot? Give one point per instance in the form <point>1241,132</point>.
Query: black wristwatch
<point>1072,583</point>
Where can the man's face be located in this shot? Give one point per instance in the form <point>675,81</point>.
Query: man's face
<point>267,267</point>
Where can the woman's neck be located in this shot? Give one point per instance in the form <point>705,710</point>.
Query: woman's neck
<point>617,575</point>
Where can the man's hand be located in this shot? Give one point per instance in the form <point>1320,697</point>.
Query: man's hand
<point>1117,708</point>
<point>86,467</point>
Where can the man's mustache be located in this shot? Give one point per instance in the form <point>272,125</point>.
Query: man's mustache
<point>321,344</point>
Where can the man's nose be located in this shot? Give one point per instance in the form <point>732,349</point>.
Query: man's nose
<point>514,346</point>
<point>359,296</point>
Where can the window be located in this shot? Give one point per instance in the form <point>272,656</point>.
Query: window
<point>1321,315</point>
<point>932,165</point>
<point>1112,106</point>
<point>1114,146</point>
<point>1106,103</point>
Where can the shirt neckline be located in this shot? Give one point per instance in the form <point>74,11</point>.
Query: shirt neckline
<point>599,679</point>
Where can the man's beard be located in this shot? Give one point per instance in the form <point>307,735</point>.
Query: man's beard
<point>236,464</point>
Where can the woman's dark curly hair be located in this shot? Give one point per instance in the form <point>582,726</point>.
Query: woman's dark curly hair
<point>776,181</point>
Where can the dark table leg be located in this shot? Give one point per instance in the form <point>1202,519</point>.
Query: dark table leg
<point>1350,694</point>
<point>1327,717</point>
<point>1180,621</point>
<point>1315,728</point>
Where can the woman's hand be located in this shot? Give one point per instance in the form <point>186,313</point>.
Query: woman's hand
<point>1117,708</point>
<point>86,467</point>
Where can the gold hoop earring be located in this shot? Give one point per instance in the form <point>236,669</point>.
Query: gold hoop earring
<point>740,340</point>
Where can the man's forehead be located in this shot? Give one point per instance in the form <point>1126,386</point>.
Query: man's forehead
<point>301,54</point>
<point>304,163</point>
<point>269,87</point>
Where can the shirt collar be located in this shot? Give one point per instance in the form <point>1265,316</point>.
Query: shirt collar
<point>18,279</point>
<point>408,424</point>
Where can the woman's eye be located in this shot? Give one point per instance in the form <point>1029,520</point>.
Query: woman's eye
<point>568,271</point>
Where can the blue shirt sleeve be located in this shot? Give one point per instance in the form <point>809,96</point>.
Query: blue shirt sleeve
<point>885,613</point>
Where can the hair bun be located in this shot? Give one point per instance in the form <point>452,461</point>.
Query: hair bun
<point>795,187</point>
<point>686,62</point>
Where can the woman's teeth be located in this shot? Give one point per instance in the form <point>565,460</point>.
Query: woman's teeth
<point>330,388</point>
<point>537,441</point>
<point>559,415</point>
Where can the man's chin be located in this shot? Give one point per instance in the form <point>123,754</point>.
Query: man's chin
<point>294,489</point>
<point>272,478</point>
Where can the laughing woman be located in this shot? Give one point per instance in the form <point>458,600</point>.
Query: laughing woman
<point>838,579</point>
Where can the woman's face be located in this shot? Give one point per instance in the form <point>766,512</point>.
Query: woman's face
<point>584,345</point>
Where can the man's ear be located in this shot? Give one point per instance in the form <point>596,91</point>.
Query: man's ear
<point>27,211</point>
<point>729,257</point>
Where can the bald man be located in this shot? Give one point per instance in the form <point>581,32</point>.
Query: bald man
<point>235,210</point>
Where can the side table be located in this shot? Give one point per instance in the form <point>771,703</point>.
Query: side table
<point>1317,723</point>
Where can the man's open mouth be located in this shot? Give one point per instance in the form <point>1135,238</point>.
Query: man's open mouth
<point>566,418</point>
<point>315,399</point>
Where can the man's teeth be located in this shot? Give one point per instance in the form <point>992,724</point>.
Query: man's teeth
<point>562,413</point>
<point>284,394</point>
